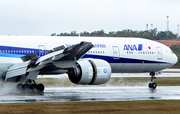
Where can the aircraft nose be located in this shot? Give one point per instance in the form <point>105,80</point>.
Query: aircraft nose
<point>174,59</point>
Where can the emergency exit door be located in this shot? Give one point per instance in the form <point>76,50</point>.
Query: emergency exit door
<point>116,53</point>
<point>42,50</point>
<point>159,53</point>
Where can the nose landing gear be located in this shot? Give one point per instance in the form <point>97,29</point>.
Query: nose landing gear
<point>152,84</point>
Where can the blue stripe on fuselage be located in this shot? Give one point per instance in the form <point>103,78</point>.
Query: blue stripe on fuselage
<point>11,55</point>
<point>16,52</point>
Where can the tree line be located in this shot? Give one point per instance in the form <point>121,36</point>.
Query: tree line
<point>152,34</point>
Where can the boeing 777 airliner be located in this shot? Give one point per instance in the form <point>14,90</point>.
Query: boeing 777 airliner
<point>86,60</point>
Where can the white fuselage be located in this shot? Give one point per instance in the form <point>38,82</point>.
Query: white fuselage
<point>125,55</point>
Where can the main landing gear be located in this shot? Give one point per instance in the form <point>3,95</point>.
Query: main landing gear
<point>30,86</point>
<point>152,84</point>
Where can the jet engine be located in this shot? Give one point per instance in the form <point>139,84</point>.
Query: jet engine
<point>90,72</point>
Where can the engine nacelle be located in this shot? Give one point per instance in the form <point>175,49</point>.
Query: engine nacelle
<point>90,72</point>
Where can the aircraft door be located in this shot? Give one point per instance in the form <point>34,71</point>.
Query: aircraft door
<point>116,53</point>
<point>42,50</point>
<point>159,53</point>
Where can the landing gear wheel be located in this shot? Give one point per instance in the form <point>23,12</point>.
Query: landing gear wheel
<point>19,86</point>
<point>25,87</point>
<point>152,85</point>
<point>33,87</point>
<point>40,87</point>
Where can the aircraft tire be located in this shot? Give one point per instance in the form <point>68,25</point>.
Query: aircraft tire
<point>19,86</point>
<point>40,87</point>
<point>25,87</point>
<point>152,85</point>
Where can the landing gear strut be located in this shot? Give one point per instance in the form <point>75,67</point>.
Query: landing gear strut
<point>152,84</point>
<point>30,86</point>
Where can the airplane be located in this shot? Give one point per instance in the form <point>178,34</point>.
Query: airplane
<point>86,60</point>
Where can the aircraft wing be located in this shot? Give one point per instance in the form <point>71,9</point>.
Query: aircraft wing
<point>59,57</point>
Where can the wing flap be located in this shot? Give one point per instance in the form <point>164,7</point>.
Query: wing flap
<point>17,69</point>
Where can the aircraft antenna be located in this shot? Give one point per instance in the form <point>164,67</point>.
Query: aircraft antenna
<point>152,26</point>
<point>167,25</point>
<point>147,27</point>
<point>178,31</point>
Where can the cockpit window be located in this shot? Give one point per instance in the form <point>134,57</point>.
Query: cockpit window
<point>172,52</point>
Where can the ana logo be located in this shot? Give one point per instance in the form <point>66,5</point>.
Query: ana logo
<point>132,47</point>
<point>105,70</point>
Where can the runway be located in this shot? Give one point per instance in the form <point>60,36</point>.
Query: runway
<point>69,94</point>
<point>113,91</point>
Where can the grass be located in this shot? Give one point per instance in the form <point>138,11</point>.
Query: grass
<point>167,81</point>
<point>117,107</point>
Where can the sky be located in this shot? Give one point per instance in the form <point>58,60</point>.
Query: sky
<point>44,17</point>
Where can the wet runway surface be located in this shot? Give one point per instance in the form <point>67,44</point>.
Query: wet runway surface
<point>69,94</point>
